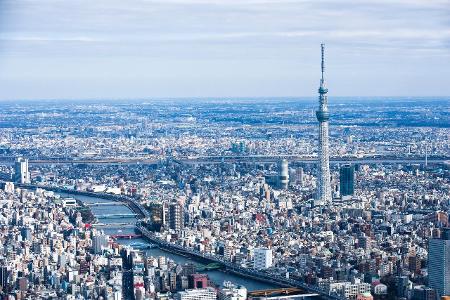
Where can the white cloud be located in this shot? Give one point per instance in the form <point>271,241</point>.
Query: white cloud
<point>380,33</point>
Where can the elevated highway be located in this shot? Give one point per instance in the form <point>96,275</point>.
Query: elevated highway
<point>203,160</point>
<point>262,159</point>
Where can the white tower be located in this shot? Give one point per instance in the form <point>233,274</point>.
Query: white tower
<point>324,186</point>
<point>284,174</point>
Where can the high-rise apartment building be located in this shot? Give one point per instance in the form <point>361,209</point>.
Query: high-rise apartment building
<point>4,278</point>
<point>21,174</point>
<point>262,258</point>
<point>176,216</point>
<point>347,180</point>
<point>100,242</point>
<point>439,264</point>
<point>299,176</point>
<point>284,174</point>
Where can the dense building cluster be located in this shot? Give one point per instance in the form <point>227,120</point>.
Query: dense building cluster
<point>233,185</point>
<point>48,252</point>
<point>371,238</point>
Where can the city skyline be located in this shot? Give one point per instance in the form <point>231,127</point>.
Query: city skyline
<point>121,178</point>
<point>255,48</point>
<point>132,183</point>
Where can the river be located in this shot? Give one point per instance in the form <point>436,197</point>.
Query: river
<point>218,277</point>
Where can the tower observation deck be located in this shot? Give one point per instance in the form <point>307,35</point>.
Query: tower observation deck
<point>322,114</point>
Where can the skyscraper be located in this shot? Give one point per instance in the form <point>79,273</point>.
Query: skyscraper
<point>322,114</point>
<point>4,278</point>
<point>284,174</point>
<point>439,264</point>
<point>176,216</point>
<point>299,176</point>
<point>21,174</point>
<point>347,180</point>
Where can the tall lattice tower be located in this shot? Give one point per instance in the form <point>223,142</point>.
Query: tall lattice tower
<point>322,114</point>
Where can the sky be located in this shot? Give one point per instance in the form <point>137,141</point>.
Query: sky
<point>116,49</point>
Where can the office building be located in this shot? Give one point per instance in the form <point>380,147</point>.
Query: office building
<point>299,176</point>
<point>347,180</point>
<point>439,264</point>
<point>423,293</point>
<point>4,274</point>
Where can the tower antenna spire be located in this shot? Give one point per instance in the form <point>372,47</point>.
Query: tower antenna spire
<point>323,58</point>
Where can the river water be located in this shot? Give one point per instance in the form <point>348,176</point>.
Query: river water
<point>218,277</point>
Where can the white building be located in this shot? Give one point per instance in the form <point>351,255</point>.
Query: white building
<point>349,290</point>
<point>262,258</point>
<point>232,292</point>
<point>21,174</point>
<point>197,294</point>
<point>9,187</point>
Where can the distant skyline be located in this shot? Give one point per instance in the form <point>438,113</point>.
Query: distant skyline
<point>111,49</point>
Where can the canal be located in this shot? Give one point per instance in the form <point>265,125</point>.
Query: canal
<point>218,277</point>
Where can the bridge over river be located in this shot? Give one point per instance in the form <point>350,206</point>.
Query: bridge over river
<point>116,216</point>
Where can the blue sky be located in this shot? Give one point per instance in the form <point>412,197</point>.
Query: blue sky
<point>63,49</point>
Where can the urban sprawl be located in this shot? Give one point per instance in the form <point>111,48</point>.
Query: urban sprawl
<point>233,185</point>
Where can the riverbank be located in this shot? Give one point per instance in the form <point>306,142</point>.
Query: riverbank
<point>216,276</point>
<point>274,280</point>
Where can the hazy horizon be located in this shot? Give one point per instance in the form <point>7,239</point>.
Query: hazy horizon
<point>312,99</point>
